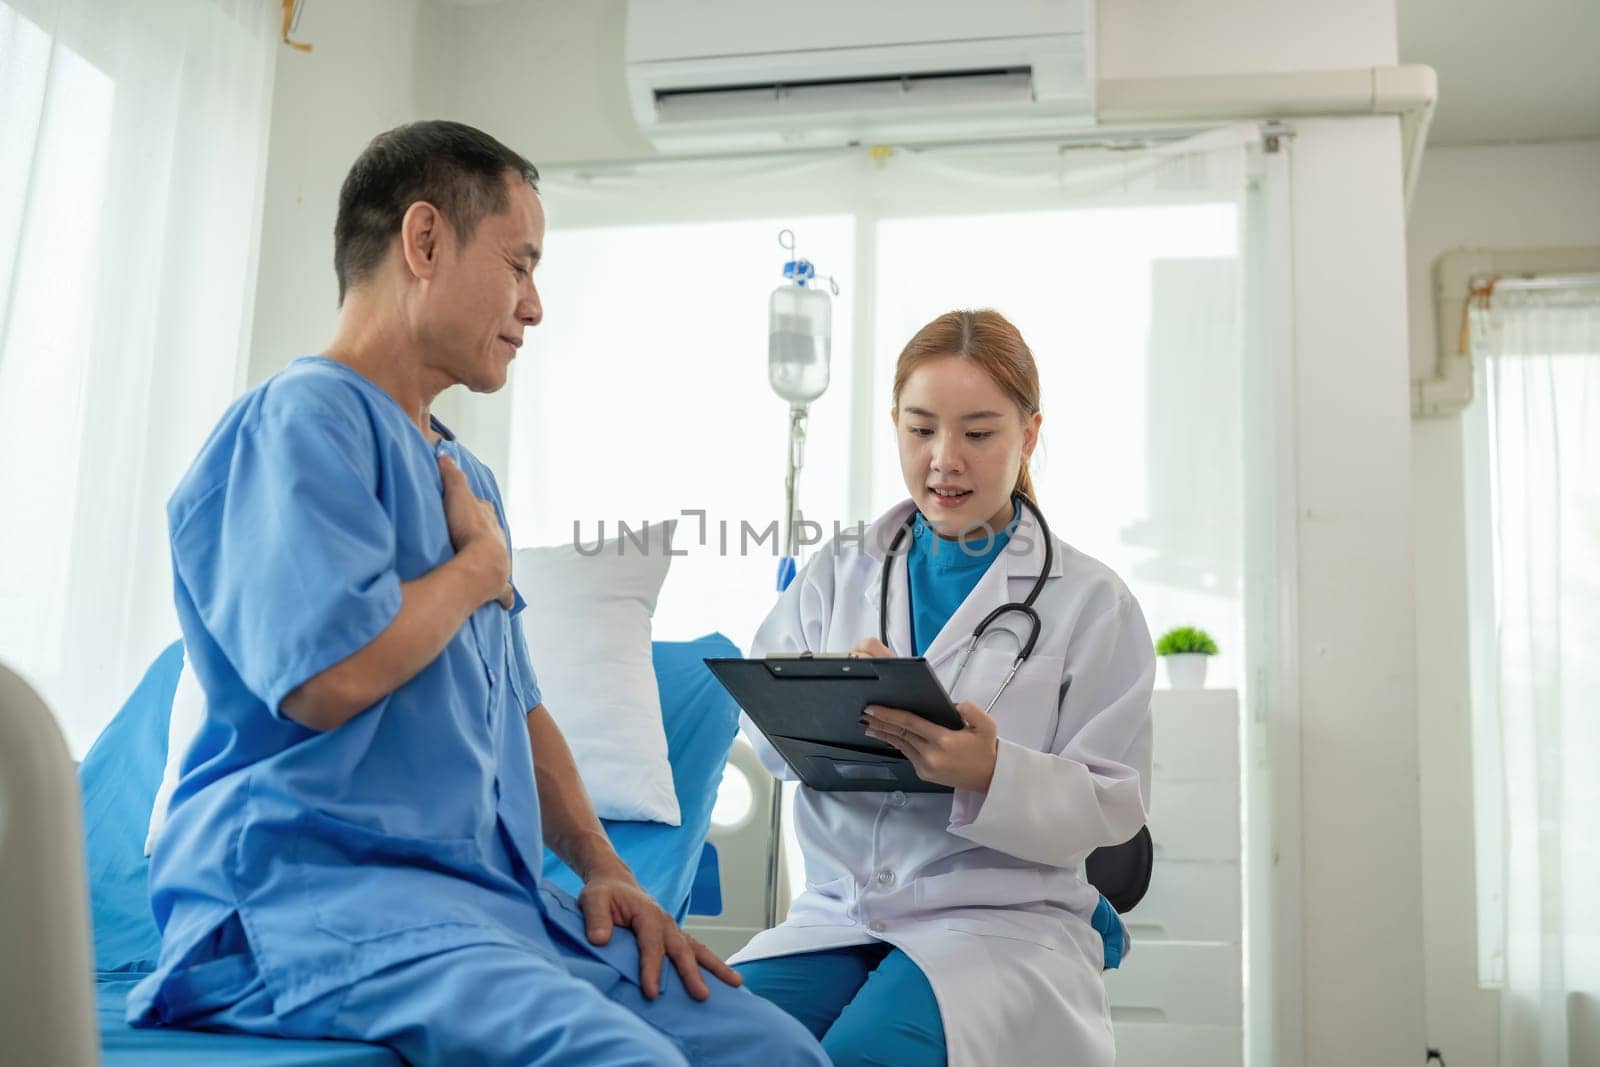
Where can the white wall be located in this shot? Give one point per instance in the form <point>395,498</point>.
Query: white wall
<point>1171,38</point>
<point>547,78</point>
<point>358,81</point>
<point>1509,196</point>
<point>1361,893</point>
<point>1496,196</point>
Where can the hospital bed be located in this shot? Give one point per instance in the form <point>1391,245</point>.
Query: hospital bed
<point>52,995</point>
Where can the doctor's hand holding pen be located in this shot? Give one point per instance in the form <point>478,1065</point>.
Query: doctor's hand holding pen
<point>961,759</point>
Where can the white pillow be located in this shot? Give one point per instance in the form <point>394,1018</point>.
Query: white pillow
<point>587,625</point>
<point>188,712</point>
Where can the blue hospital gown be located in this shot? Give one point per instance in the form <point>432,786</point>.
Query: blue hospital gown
<point>406,835</point>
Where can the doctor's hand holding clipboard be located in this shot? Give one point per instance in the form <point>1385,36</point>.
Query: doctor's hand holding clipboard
<point>961,759</point>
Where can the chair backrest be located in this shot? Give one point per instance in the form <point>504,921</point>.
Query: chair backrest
<point>1122,872</point>
<point>47,1012</point>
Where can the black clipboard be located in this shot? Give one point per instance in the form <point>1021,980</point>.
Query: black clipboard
<point>809,709</point>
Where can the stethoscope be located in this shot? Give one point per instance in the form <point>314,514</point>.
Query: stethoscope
<point>1025,607</point>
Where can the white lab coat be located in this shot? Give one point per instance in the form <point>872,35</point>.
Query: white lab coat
<point>985,892</point>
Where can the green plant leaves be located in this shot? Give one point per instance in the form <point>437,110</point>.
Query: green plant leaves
<point>1181,640</point>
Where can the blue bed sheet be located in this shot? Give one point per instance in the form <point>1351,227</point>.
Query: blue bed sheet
<point>121,773</point>
<point>123,1046</point>
<point>701,720</point>
<point>119,778</point>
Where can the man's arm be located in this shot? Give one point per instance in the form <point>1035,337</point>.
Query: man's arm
<point>433,609</point>
<point>571,828</point>
<point>611,894</point>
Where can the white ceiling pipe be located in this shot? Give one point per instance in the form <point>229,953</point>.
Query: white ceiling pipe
<point>1409,91</point>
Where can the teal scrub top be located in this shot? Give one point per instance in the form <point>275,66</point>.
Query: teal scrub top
<point>942,573</point>
<point>412,828</point>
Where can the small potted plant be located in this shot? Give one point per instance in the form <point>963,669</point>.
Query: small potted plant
<point>1184,649</point>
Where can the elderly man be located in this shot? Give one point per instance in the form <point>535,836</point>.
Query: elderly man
<point>353,849</point>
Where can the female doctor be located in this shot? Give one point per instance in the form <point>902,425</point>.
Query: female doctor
<point>955,927</point>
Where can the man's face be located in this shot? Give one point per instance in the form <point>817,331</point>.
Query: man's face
<point>482,296</point>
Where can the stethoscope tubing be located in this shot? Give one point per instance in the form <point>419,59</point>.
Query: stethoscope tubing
<point>1024,607</point>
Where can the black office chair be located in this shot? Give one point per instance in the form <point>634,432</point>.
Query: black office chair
<point>1122,872</point>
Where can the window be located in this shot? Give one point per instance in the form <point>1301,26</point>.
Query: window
<point>644,393</point>
<point>55,137</point>
<point>132,154</point>
<point>1534,549</point>
<point>1133,317</point>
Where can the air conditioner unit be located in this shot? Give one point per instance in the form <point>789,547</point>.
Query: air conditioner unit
<point>707,75</point>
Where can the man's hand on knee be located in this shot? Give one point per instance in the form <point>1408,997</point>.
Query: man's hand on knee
<point>608,902</point>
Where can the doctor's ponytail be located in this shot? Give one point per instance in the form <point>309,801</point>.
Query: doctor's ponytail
<point>1025,482</point>
<point>990,340</point>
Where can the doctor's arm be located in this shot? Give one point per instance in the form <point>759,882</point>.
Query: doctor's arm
<point>433,609</point>
<point>1092,788</point>
<point>611,894</point>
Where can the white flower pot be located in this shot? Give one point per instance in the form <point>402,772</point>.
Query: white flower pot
<point>1186,670</point>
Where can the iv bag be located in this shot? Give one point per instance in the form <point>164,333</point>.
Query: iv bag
<point>799,338</point>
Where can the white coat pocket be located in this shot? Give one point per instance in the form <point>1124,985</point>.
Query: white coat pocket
<point>1007,903</point>
<point>1040,930</point>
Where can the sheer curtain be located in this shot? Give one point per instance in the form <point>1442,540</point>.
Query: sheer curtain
<point>1534,448</point>
<point>132,154</point>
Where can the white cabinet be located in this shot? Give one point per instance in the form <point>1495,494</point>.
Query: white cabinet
<point>1179,997</point>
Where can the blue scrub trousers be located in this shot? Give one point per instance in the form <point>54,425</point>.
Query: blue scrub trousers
<point>501,1006</point>
<point>869,1005</point>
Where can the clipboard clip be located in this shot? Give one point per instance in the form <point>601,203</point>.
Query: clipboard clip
<point>828,665</point>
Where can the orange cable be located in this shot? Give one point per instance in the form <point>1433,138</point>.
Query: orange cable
<point>1481,294</point>
<point>288,20</point>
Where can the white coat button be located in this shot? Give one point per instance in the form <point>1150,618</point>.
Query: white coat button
<point>876,926</point>
<point>886,878</point>
<point>897,798</point>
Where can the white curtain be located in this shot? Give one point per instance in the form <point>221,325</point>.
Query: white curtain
<point>1535,469</point>
<point>132,155</point>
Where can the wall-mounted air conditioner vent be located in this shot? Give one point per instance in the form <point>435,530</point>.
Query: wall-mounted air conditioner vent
<point>825,96</point>
<point>708,74</point>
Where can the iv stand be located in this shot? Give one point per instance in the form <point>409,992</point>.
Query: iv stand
<point>798,414</point>
<point>787,567</point>
<point>791,549</point>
